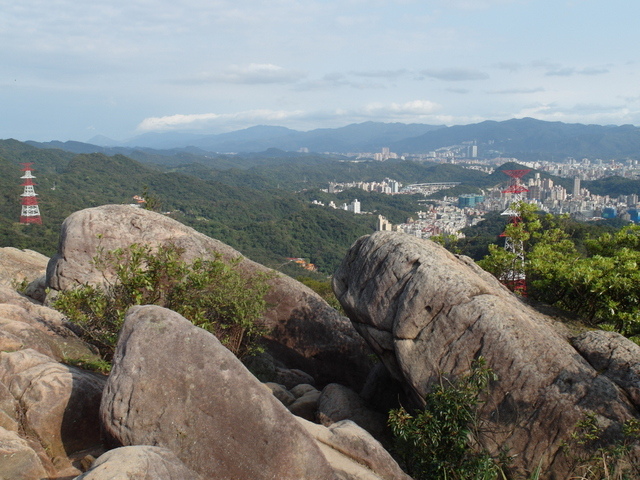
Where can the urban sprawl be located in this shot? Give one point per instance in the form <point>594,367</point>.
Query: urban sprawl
<point>452,214</point>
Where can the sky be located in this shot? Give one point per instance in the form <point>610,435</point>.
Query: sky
<point>71,69</point>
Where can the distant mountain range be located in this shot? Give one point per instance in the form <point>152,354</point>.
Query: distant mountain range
<point>526,139</point>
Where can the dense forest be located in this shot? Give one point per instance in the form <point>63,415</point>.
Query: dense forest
<point>239,207</point>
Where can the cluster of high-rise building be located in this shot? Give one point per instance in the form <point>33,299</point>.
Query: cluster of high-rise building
<point>387,186</point>
<point>353,207</point>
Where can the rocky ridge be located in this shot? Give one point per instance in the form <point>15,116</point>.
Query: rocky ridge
<point>425,312</point>
<point>173,385</point>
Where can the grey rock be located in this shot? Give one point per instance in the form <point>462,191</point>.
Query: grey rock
<point>281,393</point>
<point>139,463</point>
<point>615,357</point>
<point>290,377</point>
<point>338,402</point>
<point>18,460</point>
<point>306,405</point>
<point>26,324</point>
<point>301,389</point>
<point>18,265</point>
<point>353,453</point>
<point>427,312</point>
<point>56,403</point>
<point>175,386</point>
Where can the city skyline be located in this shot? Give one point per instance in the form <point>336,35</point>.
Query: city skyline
<point>74,70</point>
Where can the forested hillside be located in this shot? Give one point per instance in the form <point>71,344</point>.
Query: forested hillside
<point>266,224</point>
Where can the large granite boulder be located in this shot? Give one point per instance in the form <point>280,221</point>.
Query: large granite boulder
<point>139,463</point>
<point>306,333</point>
<point>175,386</point>
<point>18,460</point>
<point>55,405</point>
<point>27,324</point>
<point>426,313</point>
<point>615,357</point>
<point>17,266</point>
<point>353,453</point>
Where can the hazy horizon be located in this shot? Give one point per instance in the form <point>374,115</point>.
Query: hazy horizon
<point>74,70</point>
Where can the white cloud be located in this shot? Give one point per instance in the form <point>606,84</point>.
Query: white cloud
<point>580,113</point>
<point>251,74</point>
<point>455,74</point>
<point>477,4</point>
<point>408,111</point>
<point>202,120</point>
<point>516,91</point>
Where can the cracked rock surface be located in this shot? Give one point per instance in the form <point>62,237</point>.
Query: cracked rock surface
<point>428,313</point>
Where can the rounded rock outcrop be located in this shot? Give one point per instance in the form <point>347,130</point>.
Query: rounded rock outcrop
<point>175,386</point>
<point>428,313</point>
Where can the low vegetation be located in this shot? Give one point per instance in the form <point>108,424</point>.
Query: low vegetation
<point>436,443</point>
<point>596,278</point>
<point>213,294</point>
<point>442,441</point>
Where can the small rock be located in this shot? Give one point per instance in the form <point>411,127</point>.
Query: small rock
<point>281,393</point>
<point>306,406</point>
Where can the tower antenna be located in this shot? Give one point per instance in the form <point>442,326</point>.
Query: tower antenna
<point>515,278</point>
<point>30,210</point>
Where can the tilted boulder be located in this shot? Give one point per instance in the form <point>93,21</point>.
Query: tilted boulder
<point>306,333</point>
<point>18,460</point>
<point>18,265</point>
<point>615,357</point>
<point>139,463</point>
<point>26,324</point>
<point>337,403</point>
<point>56,405</point>
<point>353,453</point>
<point>426,313</point>
<point>175,386</point>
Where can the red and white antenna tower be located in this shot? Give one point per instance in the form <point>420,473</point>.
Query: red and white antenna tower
<point>515,279</point>
<point>30,210</point>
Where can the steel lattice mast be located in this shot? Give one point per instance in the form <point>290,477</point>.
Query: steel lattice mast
<point>515,279</point>
<point>30,210</point>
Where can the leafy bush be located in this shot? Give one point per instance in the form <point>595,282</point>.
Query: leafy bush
<point>592,459</point>
<point>212,294</point>
<point>440,441</point>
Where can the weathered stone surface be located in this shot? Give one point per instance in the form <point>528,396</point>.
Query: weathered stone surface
<point>43,329</point>
<point>58,405</point>
<point>615,357</point>
<point>306,405</point>
<point>175,386</point>
<point>302,389</point>
<point>353,453</point>
<point>18,460</point>
<point>19,265</point>
<point>37,289</point>
<point>281,393</point>
<point>139,463</point>
<point>338,402</point>
<point>290,377</point>
<point>8,410</point>
<point>306,332</point>
<point>427,312</point>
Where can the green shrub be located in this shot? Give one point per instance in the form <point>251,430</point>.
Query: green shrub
<point>593,459</point>
<point>440,441</point>
<point>212,294</point>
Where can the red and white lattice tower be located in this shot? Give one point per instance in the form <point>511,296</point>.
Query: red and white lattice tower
<point>30,210</point>
<point>515,279</point>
